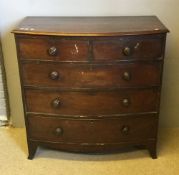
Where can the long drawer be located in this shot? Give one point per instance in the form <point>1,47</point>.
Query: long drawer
<point>91,75</point>
<point>92,102</point>
<point>92,131</point>
<point>84,49</point>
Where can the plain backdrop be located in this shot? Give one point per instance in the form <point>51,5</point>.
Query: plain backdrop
<point>13,11</point>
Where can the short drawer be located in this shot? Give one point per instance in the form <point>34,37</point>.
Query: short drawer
<point>92,103</point>
<point>129,48</point>
<point>52,48</point>
<point>92,131</point>
<point>89,75</point>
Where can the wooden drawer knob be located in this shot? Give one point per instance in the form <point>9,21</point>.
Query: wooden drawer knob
<point>125,130</point>
<point>52,51</point>
<point>56,103</point>
<point>54,75</point>
<point>58,131</point>
<point>126,76</point>
<point>127,51</point>
<point>126,102</point>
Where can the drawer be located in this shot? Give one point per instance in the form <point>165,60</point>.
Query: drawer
<point>92,131</point>
<point>88,75</point>
<point>100,49</point>
<point>92,103</point>
<point>52,48</point>
<point>129,48</point>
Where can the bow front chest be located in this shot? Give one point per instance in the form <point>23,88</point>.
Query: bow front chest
<point>91,84</point>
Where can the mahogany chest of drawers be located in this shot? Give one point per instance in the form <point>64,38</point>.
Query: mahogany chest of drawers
<point>91,84</point>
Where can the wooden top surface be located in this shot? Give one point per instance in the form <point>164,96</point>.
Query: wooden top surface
<point>91,26</point>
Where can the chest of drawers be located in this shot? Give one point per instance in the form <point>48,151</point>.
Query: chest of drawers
<point>91,84</point>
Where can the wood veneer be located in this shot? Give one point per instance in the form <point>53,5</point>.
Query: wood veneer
<point>91,84</point>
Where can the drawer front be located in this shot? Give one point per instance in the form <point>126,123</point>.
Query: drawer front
<point>129,48</point>
<point>99,49</point>
<point>86,75</point>
<point>92,103</point>
<point>92,131</point>
<point>52,48</point>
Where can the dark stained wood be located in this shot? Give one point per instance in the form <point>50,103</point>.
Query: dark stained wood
<point>92,103</point>
<point>38,48</point>
<point>90,75</point>
<point>142,47</point>
<point>91,84</point>
<point>32,147</point>
<point>79,49</point>
<point>91,26</point>
<point>91,131</point>
<point>152,147</point>
<point>96,148</point>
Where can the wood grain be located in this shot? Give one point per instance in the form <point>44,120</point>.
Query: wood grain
<point>91,131</point>
<point>90,106</point>
<point>91,26</point>
<point>92,103</point>
<point>91,49</point>
<point>91,75</point>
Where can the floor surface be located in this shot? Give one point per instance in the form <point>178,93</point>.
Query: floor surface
<point>13,158</point>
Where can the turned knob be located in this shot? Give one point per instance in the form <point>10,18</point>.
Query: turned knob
<point>126,76</point>
<point>127,51</point>
<point>52,51</point>
<point>54,75</point>
<point>125,102</point>
<point>56,103</point>
<point>58,131</point>
<point>125,130</point>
